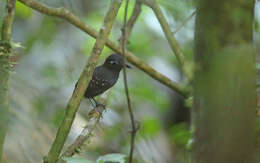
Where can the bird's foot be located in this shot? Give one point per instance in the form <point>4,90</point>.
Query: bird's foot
<point>97,110</point>
<point>100,105</point>
<point>100,108</point>
<point>97,104</point>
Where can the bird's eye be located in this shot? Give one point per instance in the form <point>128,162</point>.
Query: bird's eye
<point>112,62</point>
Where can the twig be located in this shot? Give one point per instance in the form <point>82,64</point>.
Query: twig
<point>74,20</point>
<point>170,37</point>
<point>130,23</point>
<point>184,22</point>
<point>93,120</point>
<point>135,14</point>
<point>5,65</point>
<point>83,82</point>
<point>131,114</point>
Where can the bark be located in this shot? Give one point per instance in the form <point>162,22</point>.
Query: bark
<point>224,112</point>
<point>4,75</point>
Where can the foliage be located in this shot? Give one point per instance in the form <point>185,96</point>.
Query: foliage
<point>76,160</point>
<point>181,135</point>
<point>113,157</point>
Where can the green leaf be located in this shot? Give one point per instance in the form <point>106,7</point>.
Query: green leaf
<point>258,65</point>
<point>189,102</point>
<point>17,45</point>
<point>76,160</point>
<point>113,157</point>
<point>150,126</point>
<point>181,135</point>
<point>22,11</point>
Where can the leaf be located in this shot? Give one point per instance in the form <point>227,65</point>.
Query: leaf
<point>181,135</point>
<point>76,160</point>
<point>22,11</point>
<point>257,65</point>
<point>150,126</point>
<point>113,157</point>
<point>189,102</point>
<point>17,45</point>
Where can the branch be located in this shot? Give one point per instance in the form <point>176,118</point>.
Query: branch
<point>130,23</point>
<point>83,82</point>
<point>170,37</point>
<point>5,51</point>
<point>184,22</point>
<point>130,110</point>
<point>66,15</point>
<point>93,120</point>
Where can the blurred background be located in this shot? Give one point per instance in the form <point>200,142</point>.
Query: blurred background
<point>52,59</point>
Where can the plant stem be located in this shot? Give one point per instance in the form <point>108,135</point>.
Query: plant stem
<point>5,51</point>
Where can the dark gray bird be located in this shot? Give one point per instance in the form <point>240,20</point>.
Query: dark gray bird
<point>105,76</point>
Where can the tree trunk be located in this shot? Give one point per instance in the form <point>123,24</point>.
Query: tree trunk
<point>224,112</point>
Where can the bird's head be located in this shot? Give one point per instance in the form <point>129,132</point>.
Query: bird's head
<point>115,61</point>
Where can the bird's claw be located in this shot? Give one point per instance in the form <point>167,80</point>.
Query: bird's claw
<point>98,109</point>
<point>100,105</point>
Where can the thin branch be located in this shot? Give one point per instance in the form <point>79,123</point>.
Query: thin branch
<point>131,114</point>
<point>74,20</point>
<point>131,22</point>
<point>83,82</point>
<point>135,14</point>
<point>170,37</point>
<point>184,22</point>
<point>5,51</point>
<point>93,120</point>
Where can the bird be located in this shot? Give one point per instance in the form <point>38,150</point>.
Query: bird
<point>105,76</point>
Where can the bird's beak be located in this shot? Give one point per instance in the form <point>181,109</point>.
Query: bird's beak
<point>128,66</point>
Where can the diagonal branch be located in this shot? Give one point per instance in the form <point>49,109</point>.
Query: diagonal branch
<point>74,20</point>
<point>93,120</point>
<point>83,82</point>
<point>131,22</point>
<point>170,37</point>
<point>184,22</point>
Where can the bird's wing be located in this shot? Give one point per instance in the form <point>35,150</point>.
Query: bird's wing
<point>97,84</point>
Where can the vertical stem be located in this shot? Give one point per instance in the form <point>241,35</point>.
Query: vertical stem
<point>134,130</point>
<point>5,50</point>
<point>8,20</point>
<point>4,98</point>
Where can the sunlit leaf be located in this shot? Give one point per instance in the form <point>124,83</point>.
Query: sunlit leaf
<point>113,157</point>
<point>180,135</point>
<point>150,126</point>
<point>22,11</point>
<point>76,160</point>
